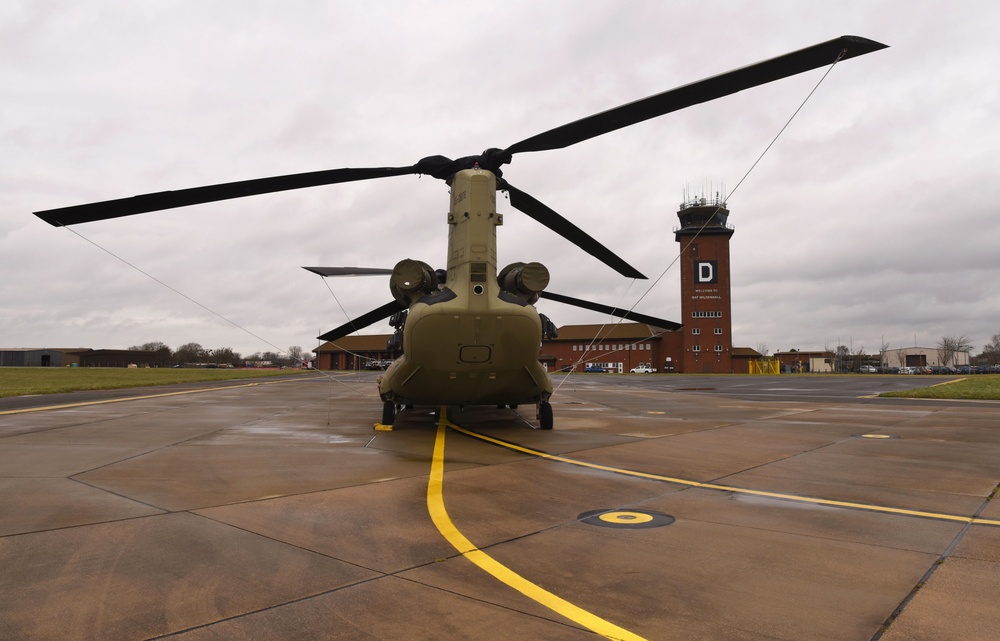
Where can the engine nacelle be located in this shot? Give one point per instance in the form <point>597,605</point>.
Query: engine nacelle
<point>524,280</point>
<point>411,280</point>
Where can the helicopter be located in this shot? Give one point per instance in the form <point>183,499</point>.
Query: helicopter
<point>470,333</point>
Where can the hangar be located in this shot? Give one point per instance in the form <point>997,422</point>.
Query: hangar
<point>79,356</point>
<point>36,357</point>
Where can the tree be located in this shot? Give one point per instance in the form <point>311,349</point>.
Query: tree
<point>225,356</point>
<point>190,353</point>
<point>857,356</point>
<point>991,351</point>
<point>841,356</point>
<point>949,346</point>
<point>154,346</point>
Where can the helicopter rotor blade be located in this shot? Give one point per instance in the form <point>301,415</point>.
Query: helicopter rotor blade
<point>348,271</point>
<point>546,216</point>
<point>614,311</point>
<point>196,195</point>
<point>374,316</point>
<point>789,64</point>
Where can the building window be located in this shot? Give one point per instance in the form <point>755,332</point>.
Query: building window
<point>696,348</point>
<point>695,330</point>
<point>706,314</point>
<point>718,331</point>
<point>718,348</point>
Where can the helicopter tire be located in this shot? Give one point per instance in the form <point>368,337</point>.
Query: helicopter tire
<point>388,413</point>
<point>545,415</point>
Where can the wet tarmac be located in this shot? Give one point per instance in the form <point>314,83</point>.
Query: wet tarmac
<point>660,507</point>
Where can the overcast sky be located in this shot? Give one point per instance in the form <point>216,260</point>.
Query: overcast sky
<point>873,218</point>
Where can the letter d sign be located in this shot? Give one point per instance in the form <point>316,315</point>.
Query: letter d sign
<point>705,272</point>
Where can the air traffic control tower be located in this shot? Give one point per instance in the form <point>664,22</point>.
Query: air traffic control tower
<point>706,304</point>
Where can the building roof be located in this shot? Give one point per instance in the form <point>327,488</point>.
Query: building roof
<point>746,352</point>
<point>610,331</point>
<point>65,350</point>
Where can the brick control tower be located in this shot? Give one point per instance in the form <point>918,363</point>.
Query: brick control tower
<point>706,305</point>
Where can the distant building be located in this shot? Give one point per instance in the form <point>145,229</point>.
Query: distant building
<point>801,362</point>
<point>617,347</point>
<point>922,357</point>
<point>354,352</point>
<point>39,357</point>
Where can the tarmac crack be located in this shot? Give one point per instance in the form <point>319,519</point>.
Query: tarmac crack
<point>933,568</point>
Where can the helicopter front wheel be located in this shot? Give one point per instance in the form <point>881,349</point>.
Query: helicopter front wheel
<point>545,415</point>
<point>388,412</point>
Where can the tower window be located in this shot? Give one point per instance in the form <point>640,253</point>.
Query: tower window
<point>696,348</point>
<point>718,331</point>
<point>695,330</point>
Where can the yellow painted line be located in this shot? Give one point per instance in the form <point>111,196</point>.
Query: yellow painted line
<point>47,408</point>
<point>465,547</point>
<point>728,488</point>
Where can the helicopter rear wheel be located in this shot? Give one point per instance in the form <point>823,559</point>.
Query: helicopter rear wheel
<point>388,413</point>
<point>545,415</point>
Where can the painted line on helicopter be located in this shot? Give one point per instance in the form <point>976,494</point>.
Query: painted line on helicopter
<point>46,408</point>
<point>465,547</point>
<point>972,520</point>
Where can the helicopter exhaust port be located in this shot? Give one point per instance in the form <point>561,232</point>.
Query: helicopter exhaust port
<point>412,280</point>
<point>524,280</point>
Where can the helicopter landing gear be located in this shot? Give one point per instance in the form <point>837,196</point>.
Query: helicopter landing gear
<point>544,415</point>
<point>388,412</point>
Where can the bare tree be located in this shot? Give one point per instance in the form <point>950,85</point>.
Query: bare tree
<point>991,351</point>
<point>949,346</point>
<point>857,357</point>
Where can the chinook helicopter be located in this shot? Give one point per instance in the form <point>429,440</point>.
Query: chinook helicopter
<point>470,334</point>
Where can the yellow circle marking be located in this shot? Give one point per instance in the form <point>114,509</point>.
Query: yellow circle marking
<point>626,517</point>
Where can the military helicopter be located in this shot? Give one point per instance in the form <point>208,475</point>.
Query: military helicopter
<point>470,334</point>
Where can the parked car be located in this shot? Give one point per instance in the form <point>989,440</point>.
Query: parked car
<point>596,369</point>
<point>868,369</point>
<point>642,369</point>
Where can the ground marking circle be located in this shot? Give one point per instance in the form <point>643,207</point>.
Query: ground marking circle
<point>628,519</point>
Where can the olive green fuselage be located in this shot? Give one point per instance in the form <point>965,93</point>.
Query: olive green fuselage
<point>470,346</point>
